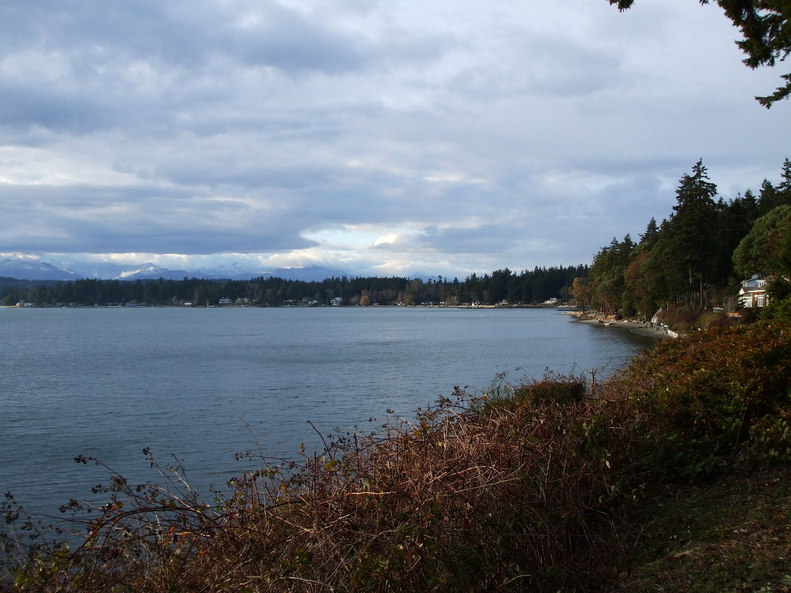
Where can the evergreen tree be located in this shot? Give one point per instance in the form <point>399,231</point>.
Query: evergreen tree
<point>664,275</point>
<point>607,282</point>
<point>650,236</point>
<point>735,220</point>
<point>692,229</point>
<point>770,197</point>
<point>766,250</point>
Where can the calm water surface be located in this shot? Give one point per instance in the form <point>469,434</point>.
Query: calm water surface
<point>204,384</point>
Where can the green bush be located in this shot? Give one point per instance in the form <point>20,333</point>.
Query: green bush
<point>699,398</point>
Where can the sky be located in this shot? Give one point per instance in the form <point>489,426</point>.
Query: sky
<point>377,137</point>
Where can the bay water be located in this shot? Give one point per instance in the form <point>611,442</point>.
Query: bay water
<point>200,385</point>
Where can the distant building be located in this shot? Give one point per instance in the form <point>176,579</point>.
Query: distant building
<point>753,293</point>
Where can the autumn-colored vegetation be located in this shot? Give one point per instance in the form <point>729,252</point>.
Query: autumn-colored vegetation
<point>547,486</point>
<point>697,258</point>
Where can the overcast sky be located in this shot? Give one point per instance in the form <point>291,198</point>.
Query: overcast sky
<point>379,137</point>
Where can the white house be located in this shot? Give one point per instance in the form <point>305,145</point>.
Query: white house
<point>753,293</point>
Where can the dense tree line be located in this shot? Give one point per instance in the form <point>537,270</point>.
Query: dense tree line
<point>698,256</point>
<point>527,287</point>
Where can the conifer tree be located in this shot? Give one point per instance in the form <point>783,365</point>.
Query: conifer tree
<point>650,236</point>
<point>607,281</point>
<point>691,238</point>
<point>766,250</point>
<point>735,219</point>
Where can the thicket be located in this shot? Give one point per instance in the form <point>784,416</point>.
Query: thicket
<point>526,488</point>
<point>526,287</point>
<point>697,257</point>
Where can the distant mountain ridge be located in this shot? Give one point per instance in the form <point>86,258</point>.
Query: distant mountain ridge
<point>27,268</point>
<point>33,270</point>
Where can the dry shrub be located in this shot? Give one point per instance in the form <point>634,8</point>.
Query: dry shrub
<point>679,319</point>
<point>520,493</point>
<point>710,320</point>
<point>470,497</point>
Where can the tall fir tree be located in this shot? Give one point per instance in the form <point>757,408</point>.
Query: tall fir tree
<point>692,230</point>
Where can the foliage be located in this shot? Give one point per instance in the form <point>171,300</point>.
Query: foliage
<point>696,257</point>
<point>772,196</point>
<point>766,250</point>
<point>679,318</point>
<point>607,274</point>
<point>692,229</point>
<point>779,309</point>
<point>767,35</point>
<point>580,293</point>
<point>704,400</point>
<point>531,489</point>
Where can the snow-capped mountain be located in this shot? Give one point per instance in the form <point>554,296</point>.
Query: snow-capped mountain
<point>31,269</point>
<point>114,271</point>
<point>149,271</point>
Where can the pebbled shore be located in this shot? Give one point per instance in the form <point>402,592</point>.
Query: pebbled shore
<point>642,328</point>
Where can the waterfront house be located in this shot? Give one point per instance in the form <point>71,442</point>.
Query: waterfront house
<point>753,293</point>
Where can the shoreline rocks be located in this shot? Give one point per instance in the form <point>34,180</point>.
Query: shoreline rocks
<point>642,328</point>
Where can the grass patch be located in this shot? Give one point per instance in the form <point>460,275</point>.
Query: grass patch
<point>728,536</point>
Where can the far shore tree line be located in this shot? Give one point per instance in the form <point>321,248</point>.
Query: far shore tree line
<point>697,257</point>
<point>501,286</point>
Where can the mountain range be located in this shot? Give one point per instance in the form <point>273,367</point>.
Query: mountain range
<point>26,268</point>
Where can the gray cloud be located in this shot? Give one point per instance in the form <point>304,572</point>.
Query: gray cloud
<point>84,219</point>
<point>487,238</point>
<point>181,34</point>
<point>382,136</point>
